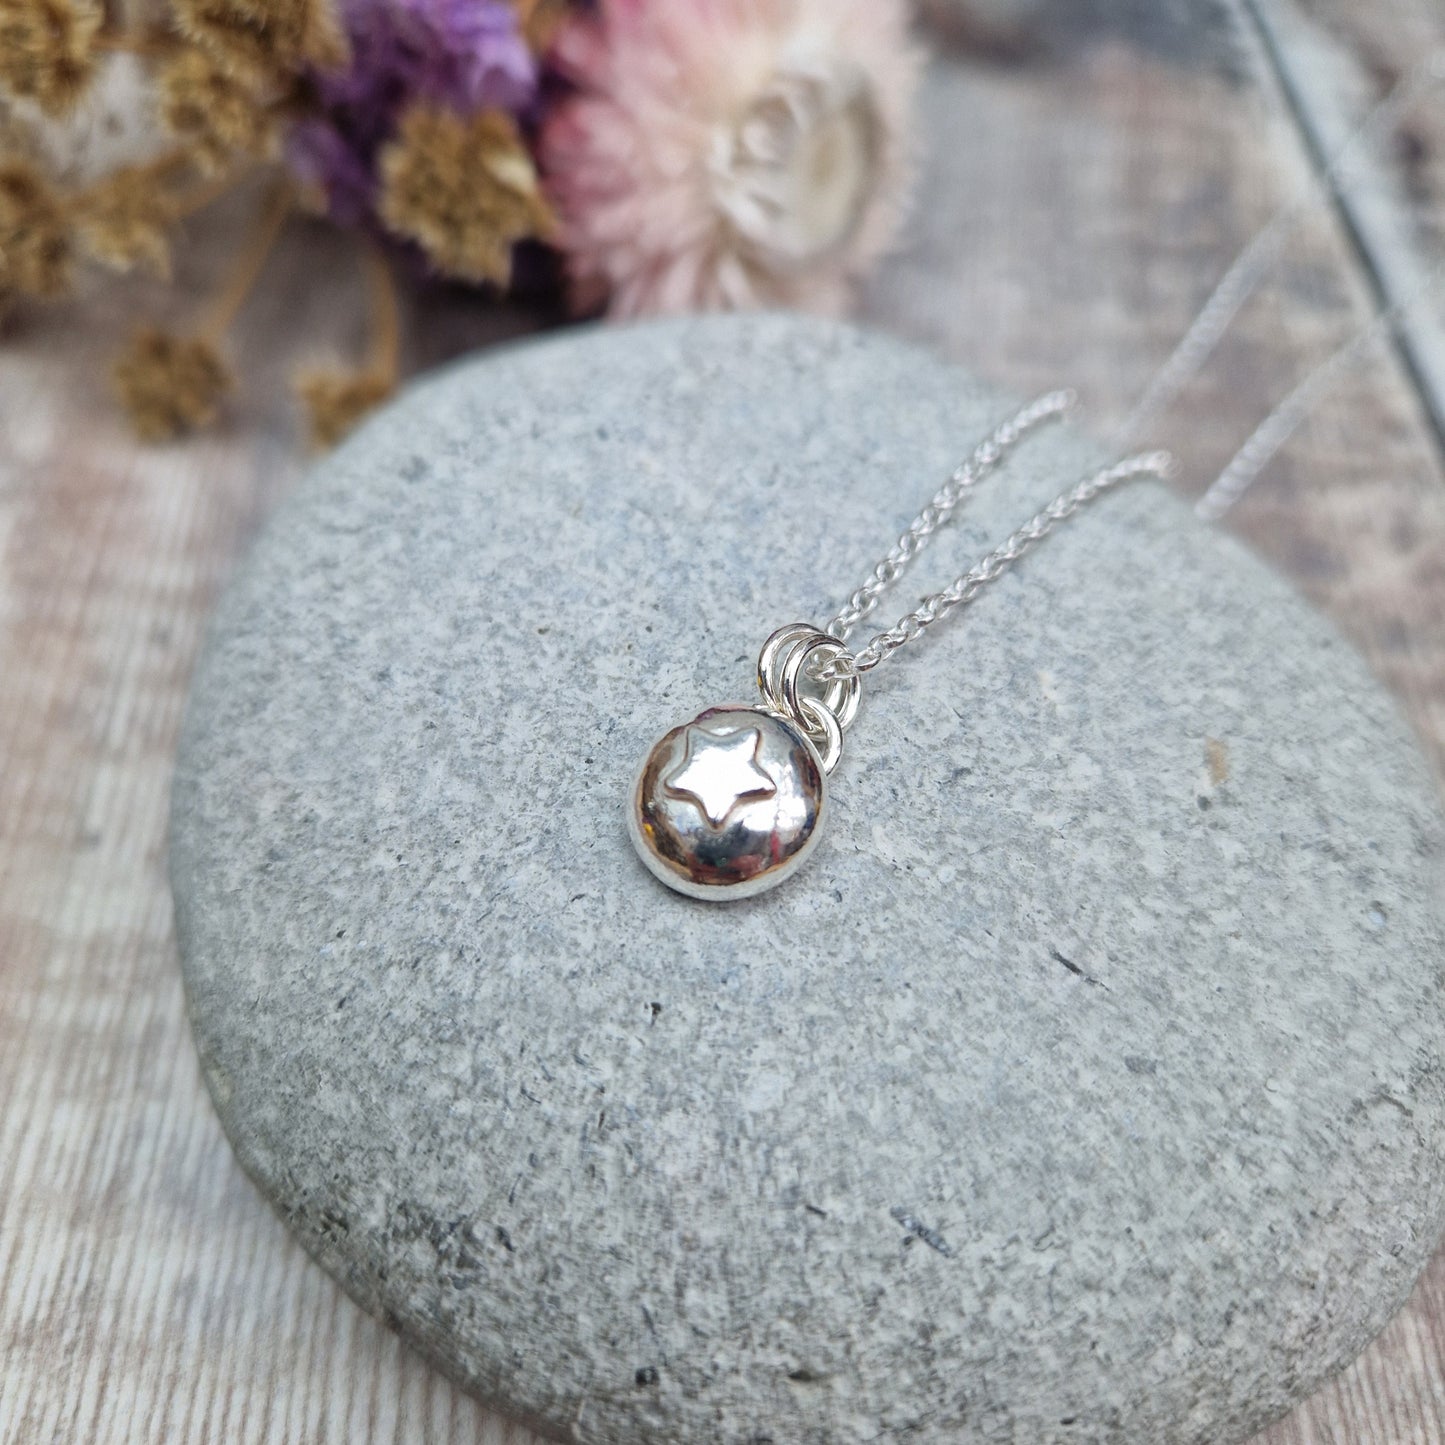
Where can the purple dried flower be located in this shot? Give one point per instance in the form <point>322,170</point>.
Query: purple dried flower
<point>464,55</point>
<point>468,55</point>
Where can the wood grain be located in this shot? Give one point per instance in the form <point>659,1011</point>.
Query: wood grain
<point>1087,186</point>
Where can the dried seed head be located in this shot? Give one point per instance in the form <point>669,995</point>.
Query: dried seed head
<point>170,384</point>
<point>464,189</point>
<point>335,401</point>
<point>265,39</point>
<point>47,50</point>
<point>122,221</point>
<point>216,111</point>
<point>36,246</point>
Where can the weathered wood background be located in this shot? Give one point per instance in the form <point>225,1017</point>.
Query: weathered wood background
<point>1092,173</point>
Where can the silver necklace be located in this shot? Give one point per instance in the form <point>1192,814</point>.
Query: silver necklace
<point>732,803</point>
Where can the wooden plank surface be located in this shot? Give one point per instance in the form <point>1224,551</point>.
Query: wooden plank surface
<point>1091,177</point>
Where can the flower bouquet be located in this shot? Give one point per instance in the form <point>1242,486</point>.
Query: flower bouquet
<point>640,156</point>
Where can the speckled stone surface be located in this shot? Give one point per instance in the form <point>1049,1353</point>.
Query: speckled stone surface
<point>1085,1086</point>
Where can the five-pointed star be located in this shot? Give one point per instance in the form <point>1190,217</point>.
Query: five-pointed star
<point>719,772</point>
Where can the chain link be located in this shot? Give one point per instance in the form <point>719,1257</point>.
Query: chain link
<point>964,589</point>
<point>970,473</point>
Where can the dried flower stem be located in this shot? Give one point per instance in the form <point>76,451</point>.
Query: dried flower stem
<point>168,166</point>
<point>187,203</point>
<point>385,315</point>
<point>149,173</point>
<point>249,264</point>
<point>154,45</point>
<point>336,399</point>
<point>163,168</point>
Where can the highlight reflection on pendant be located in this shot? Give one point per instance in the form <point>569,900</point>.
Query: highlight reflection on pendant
<point>730,804</point>
<point>719,771</point>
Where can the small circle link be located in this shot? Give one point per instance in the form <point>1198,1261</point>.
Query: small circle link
<point>783,665</point>
<point>770,660</point>
<point>843,694</point>
<point>823,732</point>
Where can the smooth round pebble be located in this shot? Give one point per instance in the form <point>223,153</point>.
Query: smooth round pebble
<point>1084,1085</point>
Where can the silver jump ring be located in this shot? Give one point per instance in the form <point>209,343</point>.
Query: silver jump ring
<point>783,662</point>
<point>843,694</point>
<point>769,680</point>
<point>823,730</point>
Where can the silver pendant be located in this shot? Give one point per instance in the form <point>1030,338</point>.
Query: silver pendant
<point>732,803</point>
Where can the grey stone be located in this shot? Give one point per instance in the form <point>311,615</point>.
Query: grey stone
<point>1086,1084</point>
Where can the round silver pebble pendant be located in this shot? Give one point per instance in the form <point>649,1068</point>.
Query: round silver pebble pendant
<point>730,804</point>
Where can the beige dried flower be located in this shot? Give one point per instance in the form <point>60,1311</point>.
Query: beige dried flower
<point>215,111</point>
<point>36,247</point>
<point>47,50</point>
<point>122,221</point>
<point>733,154</point>
<point>170,384</point>
<point>264,38</point>
<point>335,401</point>
<point>464,189</point>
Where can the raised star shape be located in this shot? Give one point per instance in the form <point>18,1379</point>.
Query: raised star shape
<point>718,772</point>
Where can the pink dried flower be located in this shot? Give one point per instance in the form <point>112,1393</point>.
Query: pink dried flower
<point>729,153</point>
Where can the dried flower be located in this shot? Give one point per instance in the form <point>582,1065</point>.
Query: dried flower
<point>170,384</point>
<point>465,55</point>
<point>730,153</point>
<point>217,112</point>
<point>458,55</point>
<point>267,39</point>
<point>46,50</point>
<point>123,219</point>
<point>465,190</point>
<point>336,401</point>
<point>36,248</point>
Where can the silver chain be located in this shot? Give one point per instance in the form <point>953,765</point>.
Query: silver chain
<point>799,651</point>
<point>963,590</point>
<point>969,474</point>
<point>840,663</point>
